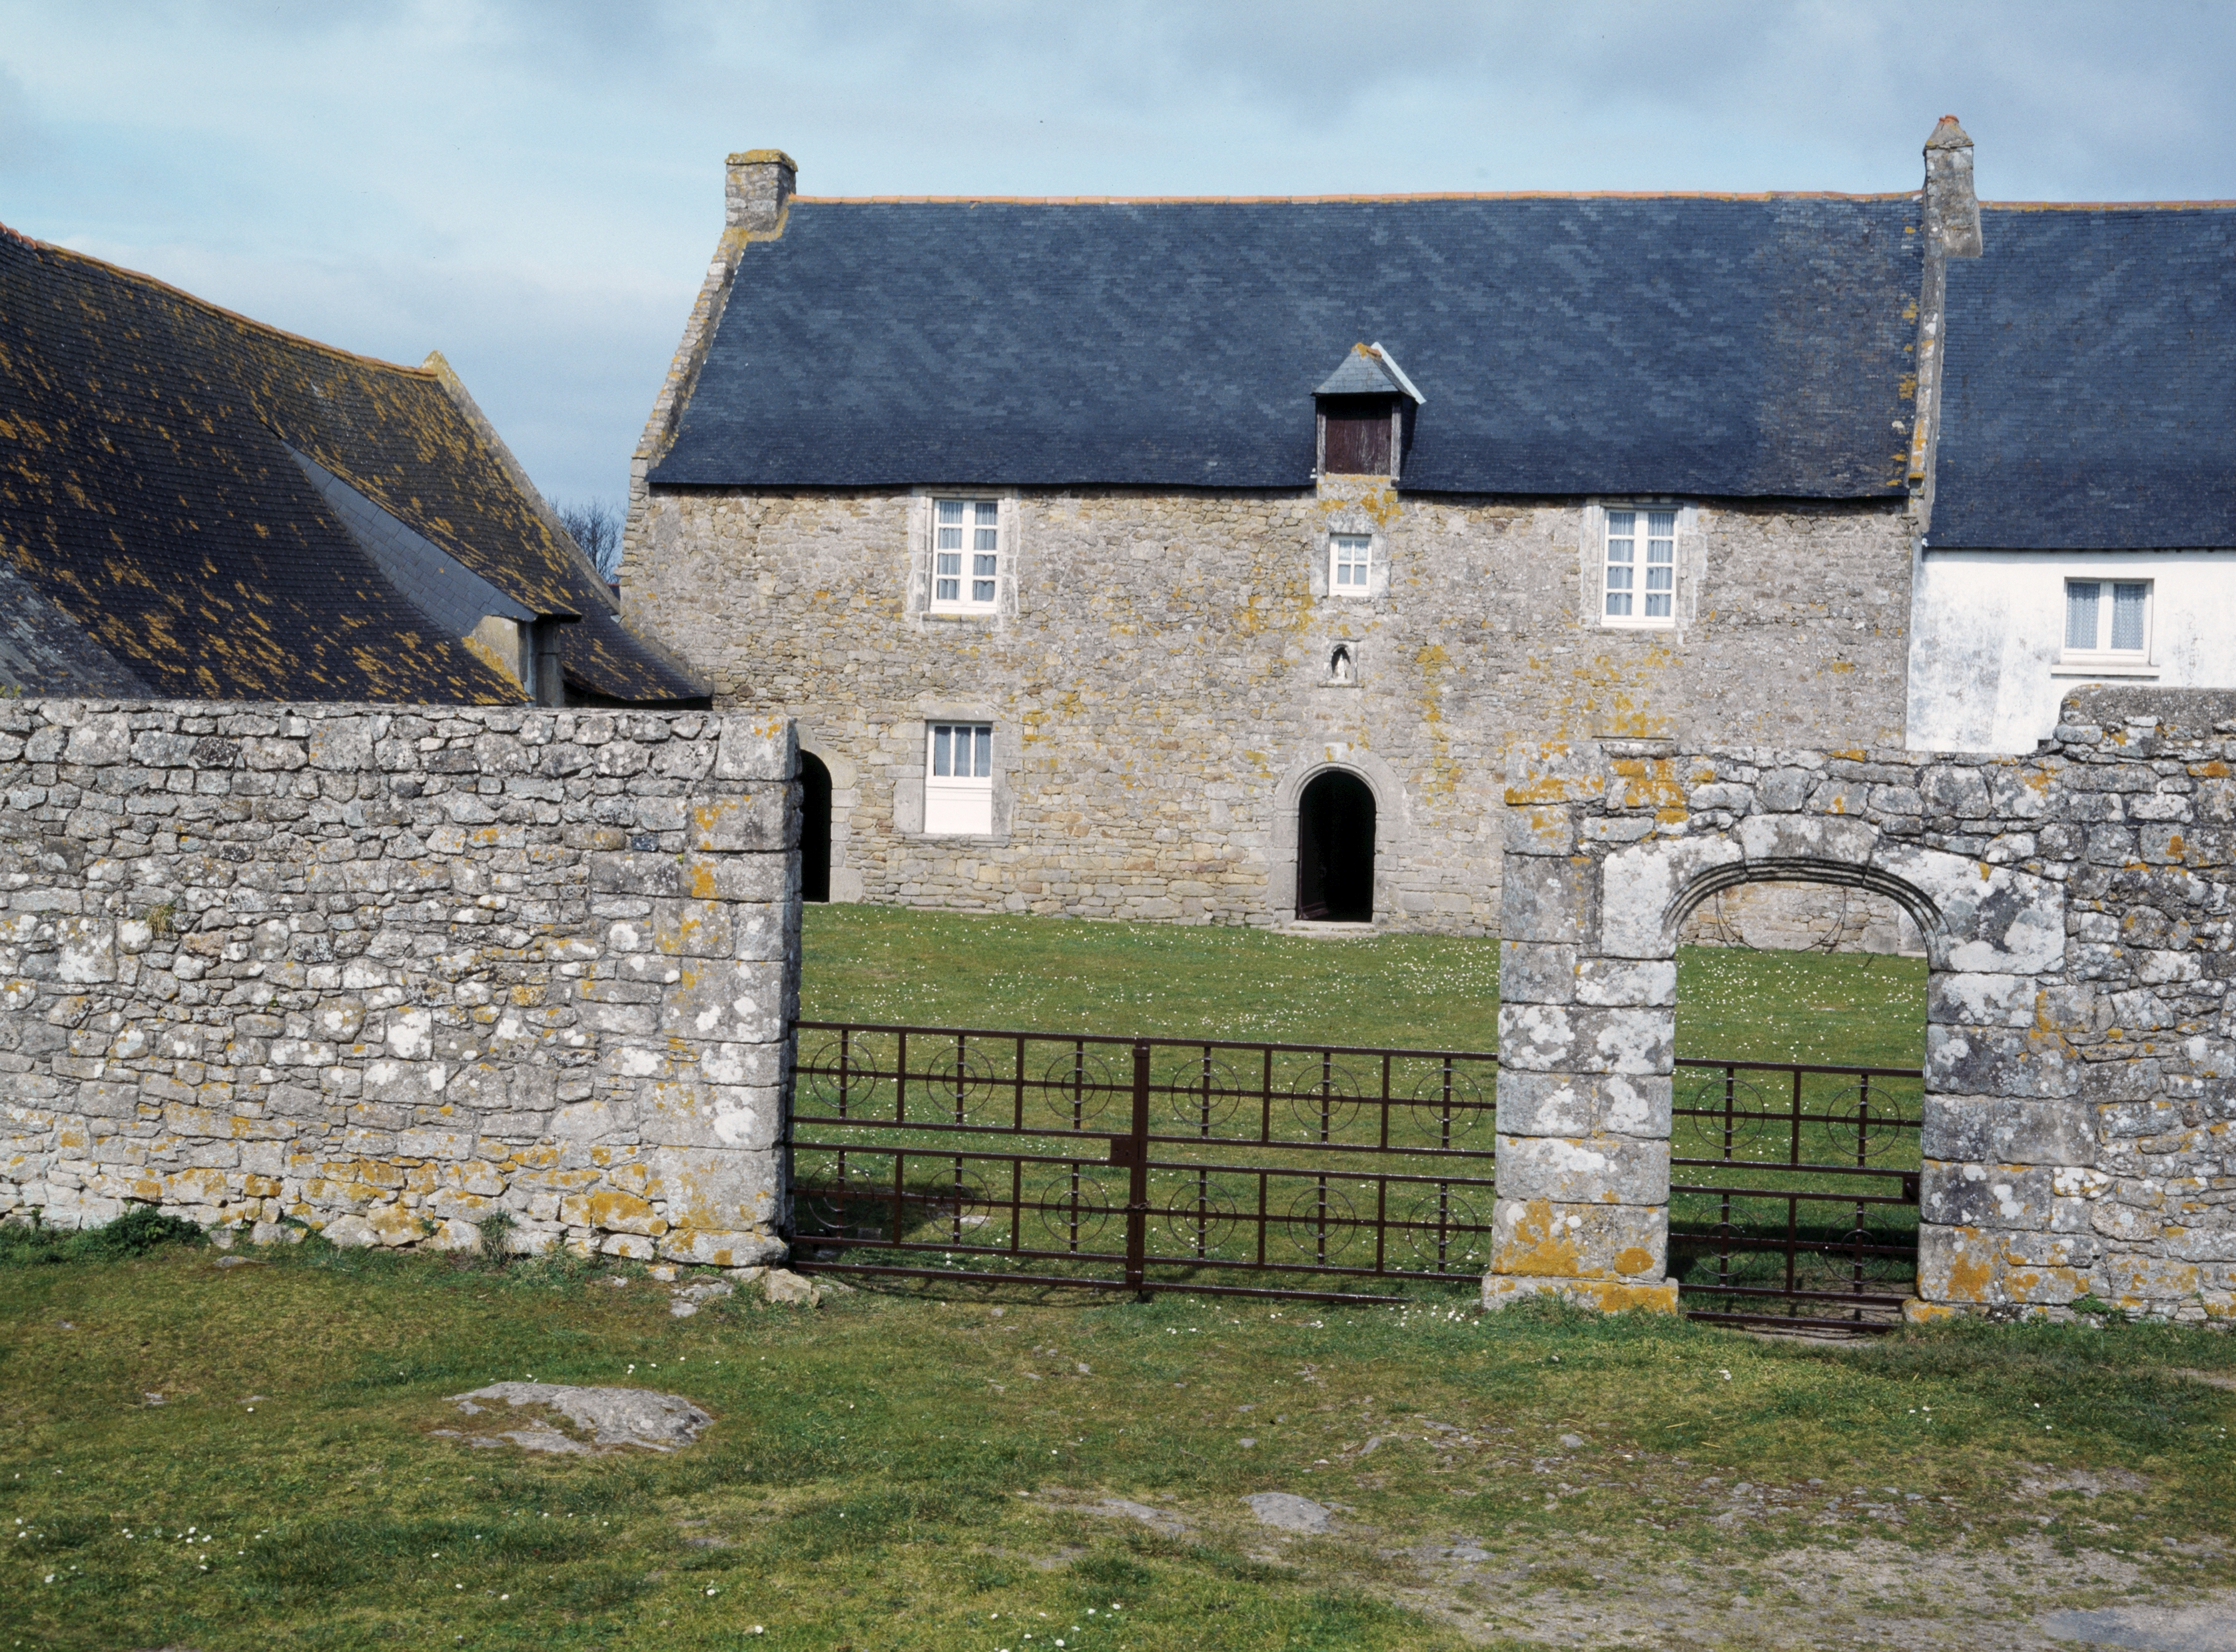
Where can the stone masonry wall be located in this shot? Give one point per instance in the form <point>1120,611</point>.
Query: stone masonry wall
<point>2079,908</point>
<point>383,970</point>
<point>1802,918</point>
<point>1158,675</point>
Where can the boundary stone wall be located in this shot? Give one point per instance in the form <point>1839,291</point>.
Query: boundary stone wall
<point>381,971</point>
<point>2079,911</point>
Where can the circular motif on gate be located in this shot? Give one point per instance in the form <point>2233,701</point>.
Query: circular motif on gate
<point>950,1206</point>
<point>839,1076</point>
<point>1078,1212</point>
<point>955,1085</point>
<point>1322,1222</point>
<point>1438,1229</point>
<point>1443,1109</point>
<point>1850,1133</point>
<point>833,1212</point>
<point>1080,1088</point>
<point>1204,1094</point>
<point>1751,1125</point>
<point>1195,1220</point>
<point>1320,1096</point>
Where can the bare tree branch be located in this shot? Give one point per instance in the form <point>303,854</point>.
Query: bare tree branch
<point>596,526</point>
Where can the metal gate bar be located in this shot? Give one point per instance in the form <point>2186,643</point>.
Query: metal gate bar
<point>1796,1136</point>
<point>1362,1162</point>
<point>1389,1154</point>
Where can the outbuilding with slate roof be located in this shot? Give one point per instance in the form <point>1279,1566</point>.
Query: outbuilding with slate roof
<point>1114,565</point>
<point>2083,521</point>
<point>196,506</point>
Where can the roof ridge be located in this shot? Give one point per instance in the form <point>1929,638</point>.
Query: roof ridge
<point>1433,195</point>
<point>202,303</point>
<point>2100,206</point>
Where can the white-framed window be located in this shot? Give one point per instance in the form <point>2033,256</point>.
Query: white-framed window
<point>1350,559</point>
<point>959,780</point>
<point>966,553</point>
<point>1641,586</point>
<point>2108,621</point>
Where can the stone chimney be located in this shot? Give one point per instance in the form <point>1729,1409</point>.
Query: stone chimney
<point>1952,210</point>
<point>761,180</point>
<point>1951,229</point>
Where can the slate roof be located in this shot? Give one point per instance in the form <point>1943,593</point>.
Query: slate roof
<point>2090,396</point>
<point>1694,344</point>
<point>148,495</point>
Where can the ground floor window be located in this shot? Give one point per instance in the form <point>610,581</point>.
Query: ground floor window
<point>958,785</point>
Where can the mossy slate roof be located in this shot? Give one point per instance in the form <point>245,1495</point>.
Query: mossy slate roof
<point>147,495</point>
<point>2089,401</point>
<point>1566,344</point>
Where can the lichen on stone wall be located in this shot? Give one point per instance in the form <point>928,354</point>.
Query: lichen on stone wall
<point>382,972</point>
<point>2078,910</point>
<point>1163,681</point>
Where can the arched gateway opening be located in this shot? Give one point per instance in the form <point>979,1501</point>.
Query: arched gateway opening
<point>814,828</point>
<point>1335,850</point>
<point>1613,1151</point>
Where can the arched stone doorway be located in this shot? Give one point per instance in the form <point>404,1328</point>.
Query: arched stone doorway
<point>814,828</point>
<point>1335,850</point>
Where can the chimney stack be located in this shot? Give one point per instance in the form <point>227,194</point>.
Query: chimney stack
<point>1952,210</point>
<point>1951,214</point>
<point>760,181</point>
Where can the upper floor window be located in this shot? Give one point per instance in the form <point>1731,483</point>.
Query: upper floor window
<point>1348,563</point>
<point>966,553</point>
<point>958,783</point>
<point>2107,620</point>
<point>1642,567</point>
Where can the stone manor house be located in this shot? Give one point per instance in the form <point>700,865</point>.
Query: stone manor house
<point>1202,559</point>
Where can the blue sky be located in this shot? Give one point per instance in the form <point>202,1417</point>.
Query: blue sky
<point>535,188</point>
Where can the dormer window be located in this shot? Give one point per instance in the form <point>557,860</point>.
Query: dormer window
<point>1356,434</point>
<point>1363,406</point>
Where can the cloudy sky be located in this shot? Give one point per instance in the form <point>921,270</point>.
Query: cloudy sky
<point>534,189</point>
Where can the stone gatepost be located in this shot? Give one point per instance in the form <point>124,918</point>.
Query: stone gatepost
<point>1585,1043</point>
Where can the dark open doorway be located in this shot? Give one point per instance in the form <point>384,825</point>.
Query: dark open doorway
<point>1335,850</point>
<point>814,828</point>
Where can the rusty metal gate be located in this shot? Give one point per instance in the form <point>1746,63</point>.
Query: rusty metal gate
<point>1793,1192</point>
<point>1137,1164</point>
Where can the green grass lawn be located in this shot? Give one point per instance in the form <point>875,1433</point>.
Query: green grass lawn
<point>883,964</point>
<point>861,1488</point>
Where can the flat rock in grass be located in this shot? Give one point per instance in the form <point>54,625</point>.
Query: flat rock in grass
<point>782,1285</point>
<point>1162,1521</point>
<point>2163,1629</point>
<point>613,1418</point>
<point>687,1299</point>
<point>1285,1511</point>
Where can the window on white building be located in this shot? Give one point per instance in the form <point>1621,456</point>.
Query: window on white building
<point>1348,561</point>
<point>1642,567</point>
<point>966,553</point>
<point>2108,621</point>
<point>959,780</point>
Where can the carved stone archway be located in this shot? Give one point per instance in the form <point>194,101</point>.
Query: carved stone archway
<point>1607,850</point>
